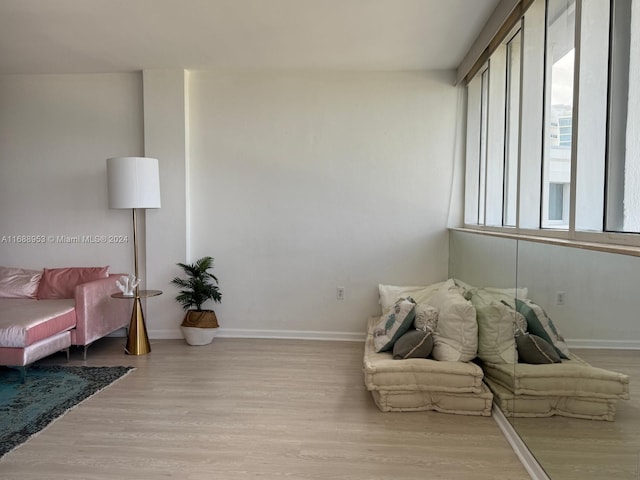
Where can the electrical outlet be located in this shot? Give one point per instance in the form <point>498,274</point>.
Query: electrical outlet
<point>560,298</point>
<point>340,293</point>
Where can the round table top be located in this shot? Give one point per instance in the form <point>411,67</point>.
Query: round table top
<point>141,294</point>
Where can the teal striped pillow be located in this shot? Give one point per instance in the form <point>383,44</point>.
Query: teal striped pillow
<point>393,324</point>
<point>538,323</point>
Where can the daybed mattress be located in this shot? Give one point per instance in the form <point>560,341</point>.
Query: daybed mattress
<point>423,384</point>
<point>530,406</point>
<point>420,400</point>
<point>382,372</point>
<point>571,378</point>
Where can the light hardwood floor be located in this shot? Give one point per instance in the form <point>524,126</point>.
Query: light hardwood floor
<point>243,408</point>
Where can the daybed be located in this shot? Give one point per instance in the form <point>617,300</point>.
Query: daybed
<point>423,383</point>
<point>452,384</point>
<point>528,366</point>
<point>43,312</point>
<point>521,357</point>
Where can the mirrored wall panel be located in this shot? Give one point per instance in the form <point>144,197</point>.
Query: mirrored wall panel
<point>572,391</point>
<point>481,260</point>
<point>592,299</point>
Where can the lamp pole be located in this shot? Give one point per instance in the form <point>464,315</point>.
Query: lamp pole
<point>137,339</point>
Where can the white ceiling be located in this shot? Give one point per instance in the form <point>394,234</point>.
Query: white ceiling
<point>87,36</point>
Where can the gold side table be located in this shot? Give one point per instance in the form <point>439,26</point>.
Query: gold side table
<point>137,339</point>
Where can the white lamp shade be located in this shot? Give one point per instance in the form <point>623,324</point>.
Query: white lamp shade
<point>134,182</point>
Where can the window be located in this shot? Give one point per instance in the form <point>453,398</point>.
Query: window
<point>560,55</point>
<point>484,113</point>
<point>623,155</point>
<point>492,138</point>
<point>512,130</point>
<point>589,126</point>
<point>558,203</point>
<point>552,124</point>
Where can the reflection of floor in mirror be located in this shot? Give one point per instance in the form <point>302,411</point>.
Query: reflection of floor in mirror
<point>577,449</point>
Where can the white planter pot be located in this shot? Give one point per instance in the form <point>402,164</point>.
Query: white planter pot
<point>198,336</point>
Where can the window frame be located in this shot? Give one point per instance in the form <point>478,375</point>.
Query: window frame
<point>570,234</point>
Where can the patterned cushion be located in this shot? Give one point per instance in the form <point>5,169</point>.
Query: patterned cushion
<point>426,318</point>
<point>393,324</point>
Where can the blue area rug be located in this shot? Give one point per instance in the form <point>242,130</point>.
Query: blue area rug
<point>48,392</point>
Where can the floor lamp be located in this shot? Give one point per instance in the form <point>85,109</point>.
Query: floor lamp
<point>134,182</point>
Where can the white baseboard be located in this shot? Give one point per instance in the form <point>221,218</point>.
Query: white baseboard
<point>604,344</point>
<point>292,334</point>
<point>529,462</point>
<point>172,334</point>
<point>175,333</point>
<point>166,334</point>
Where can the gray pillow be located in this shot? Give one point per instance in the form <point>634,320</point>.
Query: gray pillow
<point>413,344</point>
<point>541,325</point>
<point>535,350</point>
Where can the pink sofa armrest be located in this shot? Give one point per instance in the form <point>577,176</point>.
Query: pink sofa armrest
<point>97,313</point>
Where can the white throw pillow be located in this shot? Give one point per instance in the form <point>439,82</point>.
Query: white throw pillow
<point>507,295</point>
<point>389,294</point>
<point>496,327</point>
<point>456,338</point>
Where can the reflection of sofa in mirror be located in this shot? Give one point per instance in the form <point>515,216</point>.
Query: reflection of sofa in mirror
<point>548,379</point>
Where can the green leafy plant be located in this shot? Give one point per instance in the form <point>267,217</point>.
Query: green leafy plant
<point>199,286</point>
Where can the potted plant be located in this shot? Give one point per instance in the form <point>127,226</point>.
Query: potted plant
<point>199,326</point>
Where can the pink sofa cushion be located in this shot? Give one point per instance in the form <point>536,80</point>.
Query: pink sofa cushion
<point>61,282</point>
<point>19,282</point>
<point>27,321</point>
<point>25,355</point>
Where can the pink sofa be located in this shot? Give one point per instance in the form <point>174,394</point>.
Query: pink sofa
<point>45,312</point>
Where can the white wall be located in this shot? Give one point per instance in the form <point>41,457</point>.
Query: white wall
<point>299,183</point>
<point>55,133</point>
<point>303,182</point>
<point>166,137</point>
